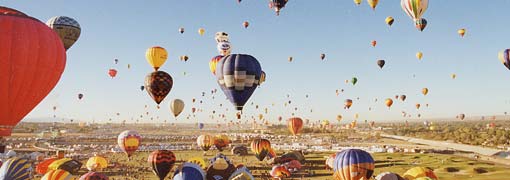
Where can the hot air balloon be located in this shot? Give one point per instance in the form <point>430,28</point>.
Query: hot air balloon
<point>419,55</point>
<point>220,167</point>
<point>42,167</point>
<point>242,173</point>
<point>142,88</point>
<point>372,3</point>
<point>290,58</point>
<point>205,142</point>
<point>504,57</point>
<point>461,32</point>
<point>354,80</point>
<point>201,125</point>
<point>201,31</point>
<point>80,96</point>
<point>156,56</point>
<point>221,37</point>
<point>419,172</point>
<point>425,91</point>
<point>323,56</point>
<point>414,8</point>
<point>262,78</point>
<point>388,176</point>
<point>32,60</point>
<point>129,141</point>
<point>295,124</point>
<point>388,102</point>
<point>161,162</point>
<point>279,172</point>
<point>420,24</point>
<point>339,118</point>
<point>199,161</point>
<point>16,169</point>
<point>181,30</point>
<point>403,97</point>
<point>184,58</point>
<point>389,20</point>
<point>96,163</point>
<point>277,5</point>
<point>70,165</point>
<point>93,176</point>
<point>373,43</point>
<point>454,76</point>
<point>418,106</point>
<point>246,24</point>
<point>381,63</point>
<point>353,164</point>
<point>461,116</point>
<point>224,48</point>
<point>112,73</point>
<point>214,61</point>
<point>189,171</point>
<point>261,148</point>
<point>238,76</point>
<point>176,106</point>
<point>158,84</point>
<point>347,103</point>
<point>67,29</point>
<point>221,141</point>
<point>58,174</point>
<point>357,2</point>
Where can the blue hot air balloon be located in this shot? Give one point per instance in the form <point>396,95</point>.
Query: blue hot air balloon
<point>353,164</point>
<point>16,168</point>
<point>189,171</point>
<point>200,125</point>
<point>238,76</point>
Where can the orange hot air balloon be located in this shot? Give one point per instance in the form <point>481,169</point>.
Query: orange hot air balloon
<point>32,58</point>
<point>374,42</point>
<point>425,91</point>
<point>388,102</point>
<point>295,124</point>
<point>348,103</point>
<point>112,73</point>
<point>418,106</point>
<point>246,24</point>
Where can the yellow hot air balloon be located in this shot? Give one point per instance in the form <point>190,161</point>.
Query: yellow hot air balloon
<point>156,56</point>
<point>389,20</point>
<point>372,3</point>
<point>419,55</point>
<point>425,91</point>
<point>357,2</point>
<point>461,32</point>
<point>199,161</point>
<point>388,102</point>
<point>201,31</point>
<point>454,76</point>
<point>96,163</point>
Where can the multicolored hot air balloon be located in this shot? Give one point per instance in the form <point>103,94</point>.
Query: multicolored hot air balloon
<point>461,32</point>
<point>158,85</point>
<point>354,80</point>
<point>16,169</point>
<point>67,28</point>
<point>357,2</point>
<point>353,164</point>
<point>161,162</point>
<point>279,172</point>
<point>461,116</point>
<point>94,176</point>
<point>42,167</point>
<point>295,124</point>
<point>238,76</point>
<point>214,61</point>
<point>201,31</point>
<point>156,56</point>
<point>205,142</point>
<point>96,163</point>
<point>246,24</point>
<point>224,48</point>
<point>389,20</point>
<point>277,5</point>
<point>70,165</point>
<point>33,49</point>
<point>347,103</point>
<point>181,30</point>
<point>176,106</point>
<point>129,141</point>
<point>414,8</point>
<point>221,141</point>
<point>58,174</point>
<point>420,24</point>
<point>189,171</point>
<point>420,172</point>
<point>260,147</point>
<point>403,97</point>
<point>504,57</point>
<point>381,63</point>
<point>388,176</point>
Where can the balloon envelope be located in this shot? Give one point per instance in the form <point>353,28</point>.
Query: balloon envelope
<point>67,29</point>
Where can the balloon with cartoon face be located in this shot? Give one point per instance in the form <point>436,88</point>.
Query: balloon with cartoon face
<point>221,37</point>
<point>224,48</point>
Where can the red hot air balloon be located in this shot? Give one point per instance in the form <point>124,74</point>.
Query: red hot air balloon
<point>32,59</point>
<point>112,73</point>
<point>295,124</point>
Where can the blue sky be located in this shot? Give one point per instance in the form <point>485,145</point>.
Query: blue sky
<point>304,30</point>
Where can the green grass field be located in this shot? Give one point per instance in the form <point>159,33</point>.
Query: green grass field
<point>459,167</point>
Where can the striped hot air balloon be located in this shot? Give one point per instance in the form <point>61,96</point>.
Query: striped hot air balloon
<point>261,148</point>
<point>295,124</point>
<point>414,8</point>
<point>58,174</point>
<point>16,169</point>
<point>161,162</point>
<point>353,164</point>
<point>420,172</point>
<point>205,141</point>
